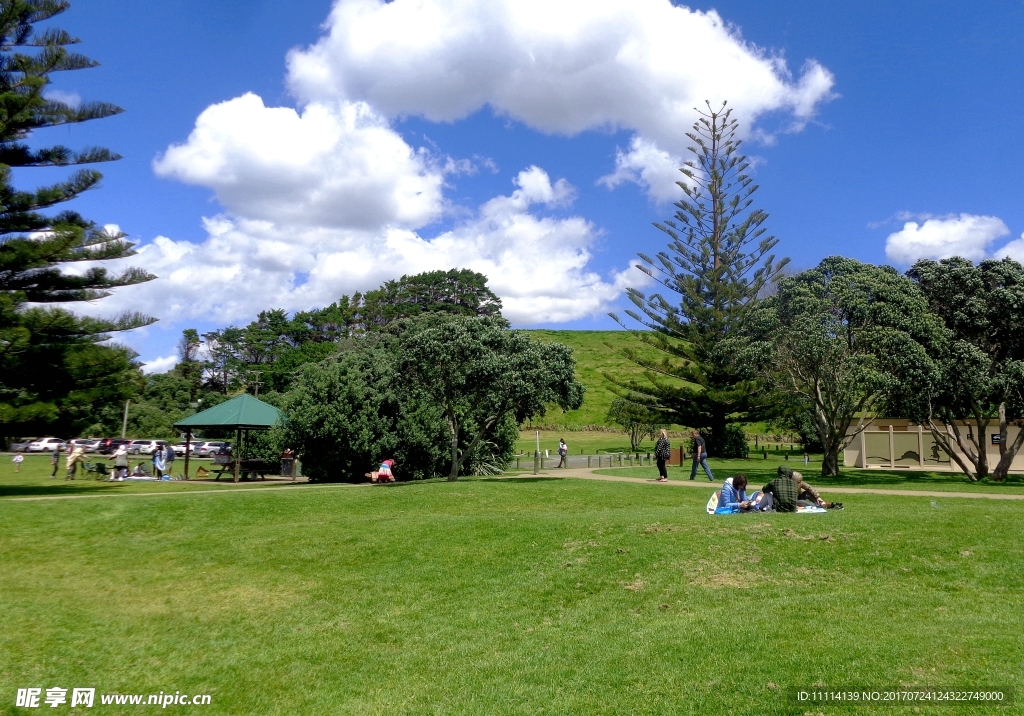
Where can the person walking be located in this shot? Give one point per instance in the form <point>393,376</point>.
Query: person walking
<point>563,453</point>
<point>700,457</point>
<point>121,463</point>
<point>75,457</point>
<point>54,462</point>
<point>158,463</point>
<point>169,460</point>
<point>17,460</point>
<point>662,452</point>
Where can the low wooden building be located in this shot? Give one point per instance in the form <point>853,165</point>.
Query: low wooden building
<point>896,443</point>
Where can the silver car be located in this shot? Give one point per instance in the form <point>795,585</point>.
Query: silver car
<point>147,447</point>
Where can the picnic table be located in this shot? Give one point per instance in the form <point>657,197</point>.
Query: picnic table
<point>246,468</point>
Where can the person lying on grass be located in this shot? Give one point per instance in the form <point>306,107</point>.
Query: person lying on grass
<point>734,494</point>
<point>382,474</point>
<point>807,495</point>
<point>781,493</point>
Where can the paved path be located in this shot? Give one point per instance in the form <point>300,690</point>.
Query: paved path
<point>577,473</point>
<point>705,485</point>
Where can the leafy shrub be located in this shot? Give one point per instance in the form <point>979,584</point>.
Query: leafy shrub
<point>731,445</point>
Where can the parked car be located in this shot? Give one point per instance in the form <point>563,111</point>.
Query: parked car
<point>180,448</point>
<point>147,447</point>
<point>46,445</point>
<point>211,448</point>
<point>90,444</point>
<point>22,445</point>
<point>108,446</point>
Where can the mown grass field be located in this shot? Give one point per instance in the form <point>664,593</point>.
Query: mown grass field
<point>34,480</point>
<point>596,353</point>
<point>505,596</point>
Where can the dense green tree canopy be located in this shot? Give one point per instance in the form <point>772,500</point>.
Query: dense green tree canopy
<point>266,354</point>
<point>846,340</point>
<point>481,374</point>
<point>53,365</point>
<point>980,365</point>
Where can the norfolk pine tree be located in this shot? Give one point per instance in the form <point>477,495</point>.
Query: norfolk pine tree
<point>717,264</point>
<point>53,366</point>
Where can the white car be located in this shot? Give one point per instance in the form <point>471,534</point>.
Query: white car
<point>148,447</point>
<point>180,448</point>
<point>90,444</point>
<point>46,445</point>
<point>210,448</point>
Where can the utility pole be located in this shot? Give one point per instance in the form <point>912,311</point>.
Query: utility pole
<point>124,422</point>
<point>257,382</point>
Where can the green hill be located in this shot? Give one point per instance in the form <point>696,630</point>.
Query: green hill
<point>597,352</point>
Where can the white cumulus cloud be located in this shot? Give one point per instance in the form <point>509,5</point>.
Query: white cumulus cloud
<point>654,169</point>
<point>159,365</point>
<point>966,235</point>
<point>537,264</point>
<point>334,165</point>
<point>1013,250</point>
<point>559,66</point>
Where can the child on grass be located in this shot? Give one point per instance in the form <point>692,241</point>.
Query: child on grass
<point>17,461</point>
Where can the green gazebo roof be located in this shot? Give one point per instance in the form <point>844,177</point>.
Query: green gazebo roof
<point>244,412</point>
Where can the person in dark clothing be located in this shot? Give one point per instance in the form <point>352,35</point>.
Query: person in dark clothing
<point>782,491</point>
<point>662,452</point>
<point>54,461</point>
<point>700,457</point>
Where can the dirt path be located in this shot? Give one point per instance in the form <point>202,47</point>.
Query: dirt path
<point>705,485</point>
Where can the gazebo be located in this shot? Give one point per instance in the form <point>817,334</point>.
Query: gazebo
<point>242,414</point>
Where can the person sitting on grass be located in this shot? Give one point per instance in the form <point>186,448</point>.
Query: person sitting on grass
<point>734,495</point>
<point>807,495</point>
<point>780,495</point>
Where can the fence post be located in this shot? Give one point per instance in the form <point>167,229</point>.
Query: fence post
<point>536,462</point>
<point>588,460</point>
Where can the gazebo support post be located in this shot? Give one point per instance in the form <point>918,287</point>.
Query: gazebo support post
<point>236,455</point>
<point>188,449</point>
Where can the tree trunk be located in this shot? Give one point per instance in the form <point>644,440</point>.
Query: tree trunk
<point>1007,453</point>
<point>453,428</point>
<point>830,462</point>
<point>976,459</point>
<point>718,422</point>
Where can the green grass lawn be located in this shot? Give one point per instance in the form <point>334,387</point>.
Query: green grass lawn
<point>34,480</point>
<point>506,596</point>
<point>596,353</point>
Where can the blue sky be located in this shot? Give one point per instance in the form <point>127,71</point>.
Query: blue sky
<point>905,131</point>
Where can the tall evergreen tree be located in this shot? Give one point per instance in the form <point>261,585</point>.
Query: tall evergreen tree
<point>717,264</point>
<point>53,364</point>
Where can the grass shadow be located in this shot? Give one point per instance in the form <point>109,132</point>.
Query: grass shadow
<point>56,490</point>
